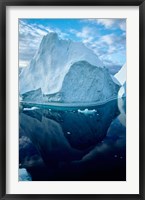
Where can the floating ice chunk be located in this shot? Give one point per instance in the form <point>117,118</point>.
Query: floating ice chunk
<point>121,78</point>
<point>121,75</point>
<point>24,175</point>
<point>32,108</point>
<point>87,112</point>
<point>121,92</point>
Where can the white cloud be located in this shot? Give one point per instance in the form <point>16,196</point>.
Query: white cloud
<point>88,40</point>
<point>86,34</point>
<point>108,39</point>
<point>106,22</point>
<point>104,45</point>
<point>110,43</point>
<point>122,25</point>
<point>109,23</point>
<point>111,49</point>
<point>41,32</point>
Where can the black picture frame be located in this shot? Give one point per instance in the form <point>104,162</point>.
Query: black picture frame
<point>3,126</point>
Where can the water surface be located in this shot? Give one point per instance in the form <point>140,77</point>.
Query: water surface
<point>83,143</point>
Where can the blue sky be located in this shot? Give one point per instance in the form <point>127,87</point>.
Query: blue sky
<point>106,37</point>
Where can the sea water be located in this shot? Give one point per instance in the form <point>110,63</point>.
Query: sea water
<point>80,143</point>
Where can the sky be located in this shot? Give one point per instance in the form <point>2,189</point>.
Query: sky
<point>106,37</point>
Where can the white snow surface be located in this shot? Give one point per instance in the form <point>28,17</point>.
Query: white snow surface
<point>66,71</point>
<point>121,75</point>
<point>51,63</point>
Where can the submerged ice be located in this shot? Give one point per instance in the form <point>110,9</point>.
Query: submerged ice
<point>65,71</point>
<point>66,136</point>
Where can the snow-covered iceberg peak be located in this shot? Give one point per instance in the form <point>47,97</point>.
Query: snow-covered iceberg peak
<point>52,62</point>
<point>66,71</point>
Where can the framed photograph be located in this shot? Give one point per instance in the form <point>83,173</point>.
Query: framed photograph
<point>72,99</point>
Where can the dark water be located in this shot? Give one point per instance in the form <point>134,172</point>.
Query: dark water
<point>87,144</point>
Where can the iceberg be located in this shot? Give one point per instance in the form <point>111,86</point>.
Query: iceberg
<point>121,78</point>
<point>86,111</point>
<point>24,175</point>
<point>121,75</point>
<point>66,136</point>
<point>48,138</point>
<point>65,71</point>
<point>32,108</point>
